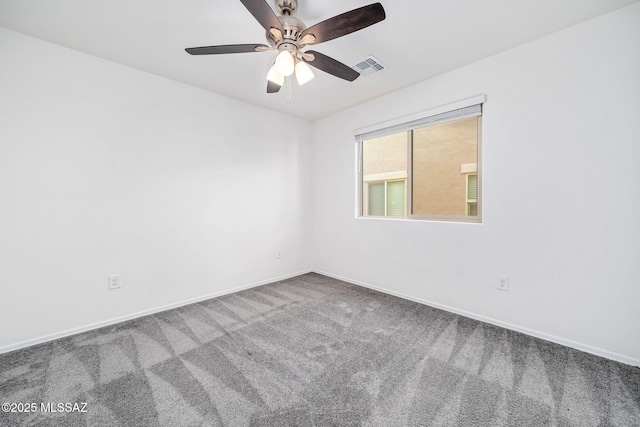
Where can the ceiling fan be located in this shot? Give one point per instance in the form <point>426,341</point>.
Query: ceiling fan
<point>289,35</point>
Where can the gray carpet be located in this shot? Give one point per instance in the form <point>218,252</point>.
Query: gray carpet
<point>314,351</point>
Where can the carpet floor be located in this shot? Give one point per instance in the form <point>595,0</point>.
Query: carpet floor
<point>312,351</point>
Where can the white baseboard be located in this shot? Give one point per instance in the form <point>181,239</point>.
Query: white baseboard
<point>558,340</point>
<point>115,320</point>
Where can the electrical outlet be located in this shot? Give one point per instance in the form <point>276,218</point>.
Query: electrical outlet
<point>114,282</point>
<point>279,254</point>
<point>503,283</point>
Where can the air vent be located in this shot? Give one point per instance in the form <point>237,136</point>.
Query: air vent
<point>368,66</point>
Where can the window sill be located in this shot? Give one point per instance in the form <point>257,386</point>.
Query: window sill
<point>458,220</point>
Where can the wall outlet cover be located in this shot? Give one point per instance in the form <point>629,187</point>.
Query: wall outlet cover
<point>114,282</point>
<point>503,283</point>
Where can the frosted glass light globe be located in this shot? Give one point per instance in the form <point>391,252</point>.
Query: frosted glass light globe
<point>303,73</point>
<point>274,76</point>
<point>284,63</point>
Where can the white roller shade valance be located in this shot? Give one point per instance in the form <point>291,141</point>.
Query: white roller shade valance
<point>459,110</point>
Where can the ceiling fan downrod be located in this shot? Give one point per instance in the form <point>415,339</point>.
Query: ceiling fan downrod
<point>287,7</point>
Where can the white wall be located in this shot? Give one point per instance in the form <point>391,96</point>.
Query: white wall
<point>560,154</point>
<point>105,169</point>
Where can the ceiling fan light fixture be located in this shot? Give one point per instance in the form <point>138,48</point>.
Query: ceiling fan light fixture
<point>303,73</point>
<point>274,76</point>
<point>289,35</point>
<point>284,63</point>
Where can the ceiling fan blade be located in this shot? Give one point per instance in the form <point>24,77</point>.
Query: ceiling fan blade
<point>272,87</point>
<point>263,14</point>
<point>331,66</point>
<point>346,23</point>
<point>228,48</point>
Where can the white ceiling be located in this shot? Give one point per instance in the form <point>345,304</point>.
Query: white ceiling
<point>418,40</point>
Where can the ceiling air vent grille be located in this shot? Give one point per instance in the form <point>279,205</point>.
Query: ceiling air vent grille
<point>368,66</point>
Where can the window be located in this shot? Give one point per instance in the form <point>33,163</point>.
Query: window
<point>472,194</point>
<point>426,168</point>
<point>386,198</point>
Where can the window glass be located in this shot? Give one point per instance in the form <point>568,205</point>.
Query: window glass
<point>439,153</point>
<point>376,199</point>
<point>423,169</point>
<point>396,200</point>
<point>472,194</point>
<point>384,173</point>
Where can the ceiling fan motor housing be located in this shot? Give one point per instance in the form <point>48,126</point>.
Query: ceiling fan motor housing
<point>292,26</point>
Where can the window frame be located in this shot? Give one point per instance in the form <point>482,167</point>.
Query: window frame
<point>409,215</point>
